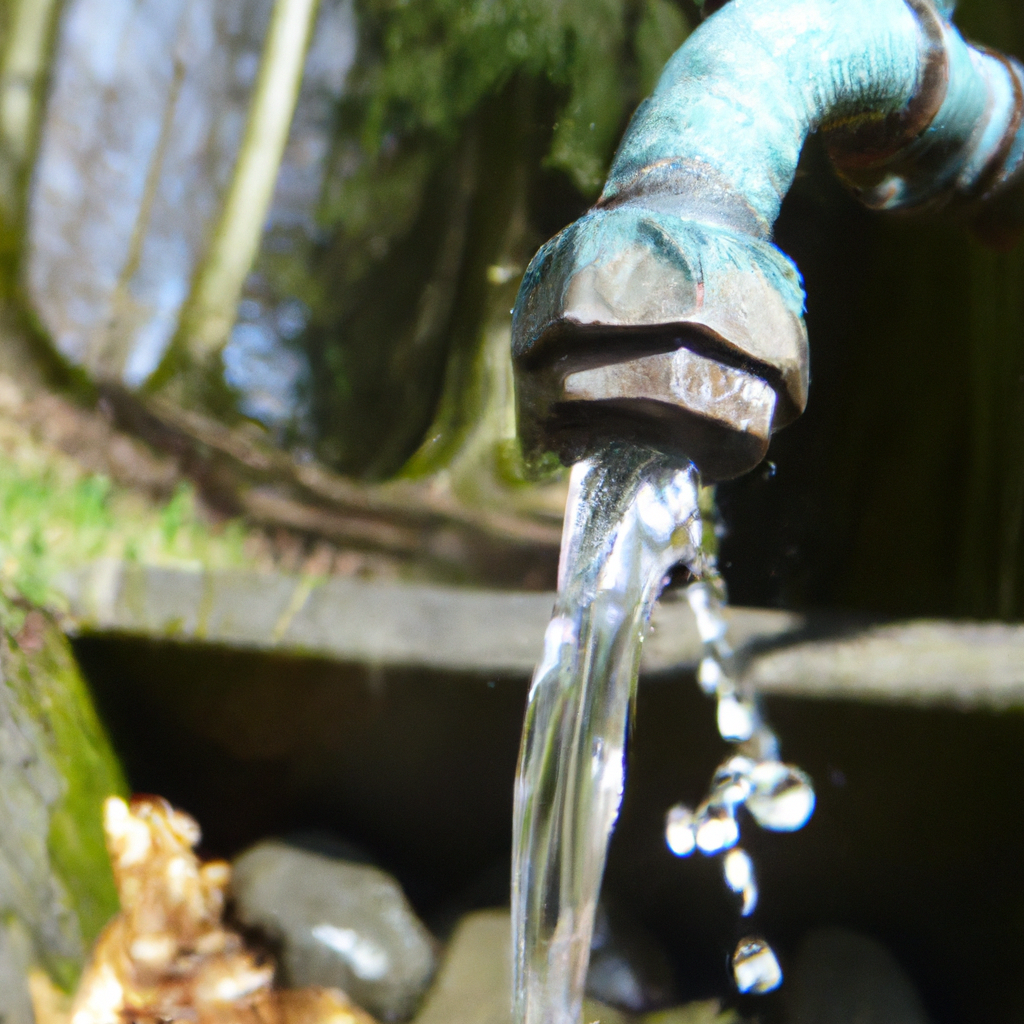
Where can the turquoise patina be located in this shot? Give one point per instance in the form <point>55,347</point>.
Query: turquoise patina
<point>677,256</point>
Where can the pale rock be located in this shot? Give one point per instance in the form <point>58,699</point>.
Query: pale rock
<point>474,984</point>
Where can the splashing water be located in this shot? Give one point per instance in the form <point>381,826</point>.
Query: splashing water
<point>631,516</point>
<point>778,796</point>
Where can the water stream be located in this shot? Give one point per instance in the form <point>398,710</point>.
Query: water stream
<point>631,516</point>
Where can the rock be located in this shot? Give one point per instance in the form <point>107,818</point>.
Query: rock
<point>56,767</point>
<point>339,925</point>
<point>841,977</point>
<point>474,985</point>
<point>628,968</point>
<point>16,959</point>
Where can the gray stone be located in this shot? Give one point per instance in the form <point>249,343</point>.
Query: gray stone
<point>339,924</point>
<point>16,959</point>
<point>968,666</point>
<point>841,977</point>
<point>964,665</point>
<point>387,624</point>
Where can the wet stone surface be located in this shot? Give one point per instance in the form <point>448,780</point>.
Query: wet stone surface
<point>339,924</point>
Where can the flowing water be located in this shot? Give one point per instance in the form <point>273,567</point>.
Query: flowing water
<point>631,516</point>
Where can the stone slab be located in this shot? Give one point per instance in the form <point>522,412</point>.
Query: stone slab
<point>397,625</point>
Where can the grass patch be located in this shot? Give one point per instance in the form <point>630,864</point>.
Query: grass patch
<point>55,516</point>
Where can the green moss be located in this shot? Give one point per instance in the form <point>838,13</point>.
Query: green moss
<point>433,62</point>
<point>438,59</point>
<point>54,516</point>
<point>86,761</point>
<point>589,124</point>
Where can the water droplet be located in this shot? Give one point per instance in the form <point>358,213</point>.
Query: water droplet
<point>783,797</point>
<point>739,869</point>
<point>731,784</point>
<point>709,675</point>
<point>679,831</point>
<point>716,828</point>
<point>711,623</point>
<point>755,967</point>
<point>737,719</point>
<point>739,876</point>
<point>763,745</point>
<point>750,895</point>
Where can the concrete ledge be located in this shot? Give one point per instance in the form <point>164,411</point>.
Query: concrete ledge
<point>961,664</point>
<point>346,620</point>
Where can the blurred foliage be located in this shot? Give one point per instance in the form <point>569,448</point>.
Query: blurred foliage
<point>456,110</point>
<point>428,66</point>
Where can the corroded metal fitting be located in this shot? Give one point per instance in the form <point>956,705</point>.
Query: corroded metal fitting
<point>665,315</point>
<point>889,162</point>
<point>668,334</point>
<point>865,143</point>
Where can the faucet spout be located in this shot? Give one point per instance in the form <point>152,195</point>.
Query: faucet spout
<point>665,314</point>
